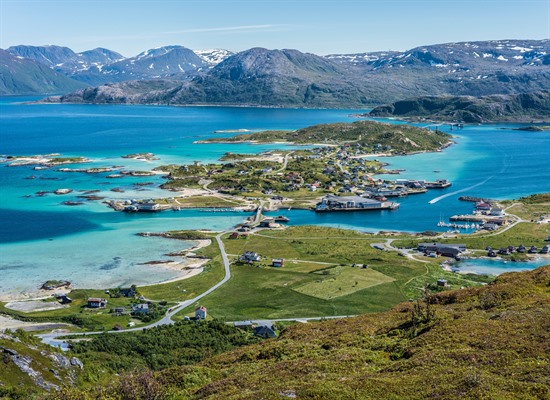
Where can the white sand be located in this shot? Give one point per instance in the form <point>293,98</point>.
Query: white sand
<point>10,323</point>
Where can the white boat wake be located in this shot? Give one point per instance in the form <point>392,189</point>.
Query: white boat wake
<point>433,201</point>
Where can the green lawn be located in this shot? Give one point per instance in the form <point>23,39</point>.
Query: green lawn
<point>341,281</point>
<point>318,279</point>
<point>525,233</point>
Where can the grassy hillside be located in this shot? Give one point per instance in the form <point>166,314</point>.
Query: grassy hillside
<point>491,342</point>
<point>365,133</point>
<point>28,367</point>
<point>521,107</point>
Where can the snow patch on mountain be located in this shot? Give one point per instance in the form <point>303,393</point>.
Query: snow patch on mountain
<point>213,56</point>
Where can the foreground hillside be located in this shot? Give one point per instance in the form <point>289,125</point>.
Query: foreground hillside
<point>491,342</point>
<point>522,107</point>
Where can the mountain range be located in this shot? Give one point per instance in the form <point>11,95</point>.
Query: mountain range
<point>19,75</point>
<point>264,77</point>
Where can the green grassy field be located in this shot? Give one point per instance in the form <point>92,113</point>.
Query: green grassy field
<point>202,201</point>
<point>318,278</point>
<point>343,281</point>
<point>525,233</point>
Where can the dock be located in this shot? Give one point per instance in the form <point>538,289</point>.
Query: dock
<point>477,218</point>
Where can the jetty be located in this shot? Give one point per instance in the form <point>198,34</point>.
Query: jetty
<point>478,218</point>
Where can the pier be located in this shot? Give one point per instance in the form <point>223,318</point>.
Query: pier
<point>478,218</point>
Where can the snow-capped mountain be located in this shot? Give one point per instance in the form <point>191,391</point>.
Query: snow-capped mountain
<point>214,56</point>
<point>169,61</point>
<point>289,77</point>
<point>493,54</point>
<point>20,75</point>
<point>65,60</point>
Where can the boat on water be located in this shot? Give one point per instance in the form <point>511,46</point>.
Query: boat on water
<point>332,203</point>
<point>438,184</point>
<point>281,218</point>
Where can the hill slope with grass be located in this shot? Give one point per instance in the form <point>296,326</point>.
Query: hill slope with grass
<point>520,107</point>
<point>365,133</point>
<point>489,342</point>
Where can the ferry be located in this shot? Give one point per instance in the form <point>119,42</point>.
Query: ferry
<point>353,203</point>
<point>438,184</point>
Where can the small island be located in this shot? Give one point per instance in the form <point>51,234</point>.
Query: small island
<point>43,161</point>
<point>141,156</point>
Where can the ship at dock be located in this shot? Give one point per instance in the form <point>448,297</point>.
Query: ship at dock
<point>438,184</point>
<point>332,203</point>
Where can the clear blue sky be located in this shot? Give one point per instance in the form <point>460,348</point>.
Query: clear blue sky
<point>320,26</point>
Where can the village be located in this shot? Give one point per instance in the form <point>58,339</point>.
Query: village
<point>299,179</point>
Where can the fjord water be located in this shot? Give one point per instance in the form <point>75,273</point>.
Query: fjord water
<point>93,246</point>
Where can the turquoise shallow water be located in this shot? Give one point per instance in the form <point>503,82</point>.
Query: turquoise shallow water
<point>93,246</point>
<point>496,266</point>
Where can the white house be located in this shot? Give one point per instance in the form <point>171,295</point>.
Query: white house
<point>200,312</point>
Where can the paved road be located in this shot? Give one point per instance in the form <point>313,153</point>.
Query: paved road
<point>50,338</point>
<point>298,319</point>
<point>285,162</point>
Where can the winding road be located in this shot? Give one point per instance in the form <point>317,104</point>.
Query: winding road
<point>51,338</point>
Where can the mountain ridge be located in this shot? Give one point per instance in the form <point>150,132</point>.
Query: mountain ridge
<point>526,107</point>
<point>290,78</point>
<point>21,76</point>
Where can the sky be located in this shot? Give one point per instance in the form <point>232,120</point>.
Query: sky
<point>316,26</point>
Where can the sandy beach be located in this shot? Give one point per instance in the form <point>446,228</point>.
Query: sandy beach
<point>10,323</point>
<point>31,300</point>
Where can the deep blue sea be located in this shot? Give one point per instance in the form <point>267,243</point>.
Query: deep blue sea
<point>94,246</point>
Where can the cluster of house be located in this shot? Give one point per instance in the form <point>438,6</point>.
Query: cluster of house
<point>520,249</point>
<point>251,257</point>
<point>496,215</point>
<point>135,309</point>
<point>442,249</point>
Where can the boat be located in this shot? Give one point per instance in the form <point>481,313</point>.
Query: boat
<point>63,191</point>
<point>281,218</point>
<point>438,184</point>
<point>353,203</point>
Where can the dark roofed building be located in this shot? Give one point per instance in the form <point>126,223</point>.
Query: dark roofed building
<point>445,249</point>
<point>265,331</point>
<point>96,302</point>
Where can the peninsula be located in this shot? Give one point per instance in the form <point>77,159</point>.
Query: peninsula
<point>527,107</point>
